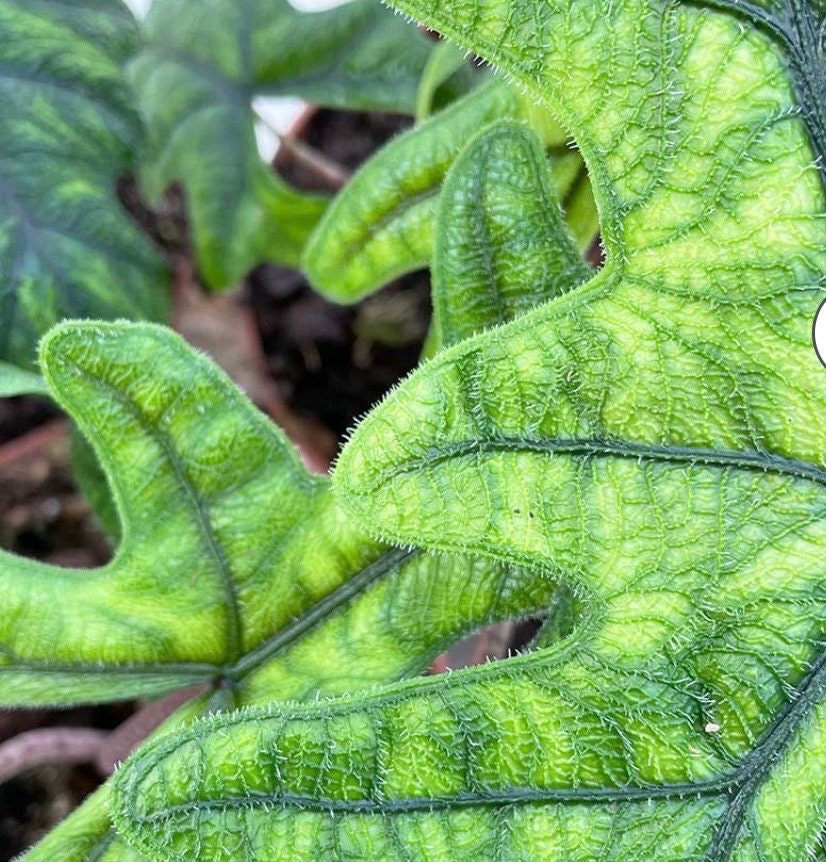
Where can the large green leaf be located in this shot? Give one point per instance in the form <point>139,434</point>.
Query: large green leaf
<point>236,567</point>
<point>226,543</point>
<point>67,247</point>
<point>203,64</point>
<point>383,223</point>
<point>395,626</point>
<point>651,439</point>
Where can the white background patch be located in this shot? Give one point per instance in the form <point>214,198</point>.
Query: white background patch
<point>819,332</point>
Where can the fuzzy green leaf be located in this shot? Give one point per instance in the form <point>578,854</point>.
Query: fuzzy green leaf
<point>386,624</point>
<point>87,834</point>
<point>652,439</point>
<point>236,567</point>
<point>204,63</point>
<point>382,224</point>
<point>67,247</point>
<point>226,541</point>
<point>502,246</point>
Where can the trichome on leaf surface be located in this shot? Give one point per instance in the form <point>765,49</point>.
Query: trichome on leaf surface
<point>634,453</point>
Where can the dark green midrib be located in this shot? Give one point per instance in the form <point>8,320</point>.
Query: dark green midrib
<point>451,332</point>
<point>758,763</point>
<point>101,847</point>
<point>205,672</point>
<point>200,672</point>
<point>10,286</point>
<point>199,505</point>
<point>321,611</point>
<point>761,462</point>
<point>808,67</point>
<point>756,15</point>
<point>31,228</point>
<point>745,782</point>
<point>740,786</point>
<point>511,796</point>
<point>575,270</point>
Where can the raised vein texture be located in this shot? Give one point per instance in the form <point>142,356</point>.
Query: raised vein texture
<point>203,63</point>
<point>236,567</point>
<point>67,248</point>
<point>383,223</point>
<point>502,245</point>
<point>229,547</point>
<point>650,438</point>
<point>387,621</point>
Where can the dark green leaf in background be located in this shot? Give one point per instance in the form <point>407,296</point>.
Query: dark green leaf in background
<point>204,63</point>
<point>67,247</point>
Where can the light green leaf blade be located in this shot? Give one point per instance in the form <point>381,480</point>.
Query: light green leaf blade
<point>87,834</point>
<point>195,79</point>
<point>797,27</point>
<point>649,439</point>
<point>67,247</point>
<point>17,381</point>
<point>382,224</point>
<point>387,623</point>
<point>190,464</point>
<point>502,246</point>
<point>73,636</point>
<point>323,608</point>
<point>91,480</point>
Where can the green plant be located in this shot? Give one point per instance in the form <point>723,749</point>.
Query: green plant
<point>320,608</point>
<point>74,125</point>
<point>650,439</point>
<point>196,77</point>
<point>251,599</point>
<point>640,453</point>
<point>383,223</point>
<point>67,248</point>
